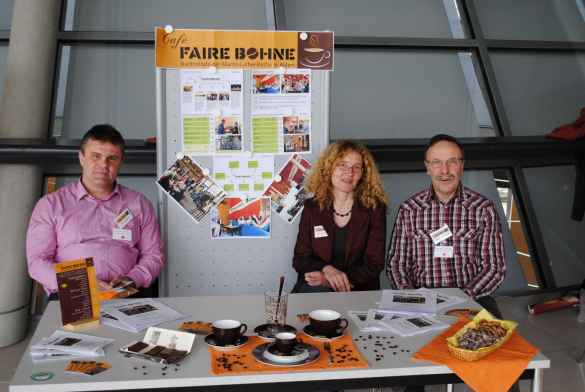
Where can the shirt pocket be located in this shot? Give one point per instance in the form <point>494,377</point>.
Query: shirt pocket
<point>466,244</point>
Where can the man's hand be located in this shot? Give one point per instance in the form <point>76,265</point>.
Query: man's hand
<point>123,282</point>
<point>104,285</point>
<point>316,278</point>
<point>336,278</point>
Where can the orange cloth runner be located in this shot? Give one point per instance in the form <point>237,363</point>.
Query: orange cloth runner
<point>241,360</point>
<point>495,372</point>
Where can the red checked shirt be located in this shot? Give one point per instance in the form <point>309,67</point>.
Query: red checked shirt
<point>477,265</point>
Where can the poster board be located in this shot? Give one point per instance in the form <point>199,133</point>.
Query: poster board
<point>196,263</point>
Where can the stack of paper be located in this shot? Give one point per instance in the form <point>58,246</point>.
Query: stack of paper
<point>420,301</point>
<point>69,345</point>
<point>414,325</point>
<point>135,315</point>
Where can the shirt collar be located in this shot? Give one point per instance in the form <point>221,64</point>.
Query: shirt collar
<point>81,192</point>
<point>429,195</point>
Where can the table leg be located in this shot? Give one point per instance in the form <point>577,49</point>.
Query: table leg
<point>449,387</point>
<point>537,382</point>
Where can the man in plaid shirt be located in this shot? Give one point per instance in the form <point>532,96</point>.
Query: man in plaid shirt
<point>448,235</point>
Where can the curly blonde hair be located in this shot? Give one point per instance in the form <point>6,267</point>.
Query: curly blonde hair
<point>369,191</point>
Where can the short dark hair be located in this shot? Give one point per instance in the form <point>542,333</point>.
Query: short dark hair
<point>443,137</point>
<point>104,133</point>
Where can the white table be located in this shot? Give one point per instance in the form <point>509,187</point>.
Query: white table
<point>194,373</point>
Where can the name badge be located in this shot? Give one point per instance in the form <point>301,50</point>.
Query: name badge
<point>441,234</point>
<point>123,218</point>
<point>122,234</point>
<point>319,232</point>
<point>443,251</point>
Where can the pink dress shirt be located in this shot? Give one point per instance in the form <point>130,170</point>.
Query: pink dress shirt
<point>70,224</point>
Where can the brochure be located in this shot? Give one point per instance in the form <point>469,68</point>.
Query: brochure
<point>135,315</point>
<point>409,301</point>
<point>414,325</point>
<point>64,344</point>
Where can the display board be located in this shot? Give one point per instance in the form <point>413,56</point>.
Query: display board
<point>198,264</point>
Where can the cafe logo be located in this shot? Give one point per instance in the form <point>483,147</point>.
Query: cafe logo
<point>315,50</point>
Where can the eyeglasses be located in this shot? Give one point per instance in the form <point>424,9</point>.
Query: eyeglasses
<point>451,162</point>
<point>345,167</point>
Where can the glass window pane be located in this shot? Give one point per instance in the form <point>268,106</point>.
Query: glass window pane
<point>385,18</point>
<point>144,15</point>
<point>106,84</point>
<point>541,20</point>
<point>6,14</point>
<point>540,90</point>
<point>3,56</point>
<point>401,186</point>
<point>393,94</point>
<point>551,191</point>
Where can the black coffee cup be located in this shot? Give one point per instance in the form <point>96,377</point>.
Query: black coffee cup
<point>327,322</point>
<point>227,332</point>
<point>285,342</point>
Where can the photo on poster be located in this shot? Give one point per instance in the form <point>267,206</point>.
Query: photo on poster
<point>266,83</point>
<point>233,218</point>
<point>228,134</point>
<point>188,185</point>
<point>288,195</point>
<point>295,83</point>
<point>297,143</point>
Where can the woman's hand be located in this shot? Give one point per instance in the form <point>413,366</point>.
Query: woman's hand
<point>337,279</point>
<point>316,278</point>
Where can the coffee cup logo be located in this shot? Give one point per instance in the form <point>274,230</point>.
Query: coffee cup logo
<point>315,51</point>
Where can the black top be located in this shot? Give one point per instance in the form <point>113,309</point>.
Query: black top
<point>339,248</point>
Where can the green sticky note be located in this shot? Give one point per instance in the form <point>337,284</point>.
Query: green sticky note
<point>220,176</point>
<point>244,187</point>
<point>234,164</point>
<point>267,175</point>
<point>229,187</point>
<point>253,164</point>
<point>258,187</point>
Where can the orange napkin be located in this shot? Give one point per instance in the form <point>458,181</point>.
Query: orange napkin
<point>241,360</point>
<point>494,372</point>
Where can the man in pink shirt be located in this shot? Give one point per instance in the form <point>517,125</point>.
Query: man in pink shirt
<point>99,218</point>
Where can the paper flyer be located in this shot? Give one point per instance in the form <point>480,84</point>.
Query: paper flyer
<point>287,192</point>
<point>243,177</point>
<point>212,111</point>
<point>191,186</point>
<point>281,111</point>
<point>78,291</point>
<point>233,218</point>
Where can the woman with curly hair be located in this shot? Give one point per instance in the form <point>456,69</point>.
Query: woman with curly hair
<point>342,233</point>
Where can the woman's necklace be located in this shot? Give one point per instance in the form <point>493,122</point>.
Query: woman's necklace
<point>342,215</point>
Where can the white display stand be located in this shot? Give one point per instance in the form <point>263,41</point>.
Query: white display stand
<point>197,265</point>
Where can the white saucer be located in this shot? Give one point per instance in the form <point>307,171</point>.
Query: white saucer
<point>300,353</point>
<point>259,354</point>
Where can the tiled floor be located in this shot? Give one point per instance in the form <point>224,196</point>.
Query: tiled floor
<point>556,334</point>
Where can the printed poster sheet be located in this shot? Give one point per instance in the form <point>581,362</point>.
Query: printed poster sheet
<point>287,192</point>
<point>235,218</point>
<point>190,186</point>
<point>281,111</point>
<point>244,177</point>
<point>211,111</point>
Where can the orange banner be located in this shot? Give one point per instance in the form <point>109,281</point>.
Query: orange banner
<point>186,48</point>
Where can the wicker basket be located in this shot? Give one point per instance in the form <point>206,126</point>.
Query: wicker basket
<point>474,355</point>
